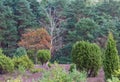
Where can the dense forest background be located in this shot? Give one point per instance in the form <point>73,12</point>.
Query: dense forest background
<point>67,21</point>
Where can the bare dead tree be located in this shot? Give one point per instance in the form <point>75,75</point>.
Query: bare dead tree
<point>53,25</point>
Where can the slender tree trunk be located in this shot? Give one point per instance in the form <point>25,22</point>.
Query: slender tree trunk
<point>35,57</point>
<point>53,26</point>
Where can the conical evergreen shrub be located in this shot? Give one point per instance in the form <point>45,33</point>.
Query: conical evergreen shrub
<point>111,61</point>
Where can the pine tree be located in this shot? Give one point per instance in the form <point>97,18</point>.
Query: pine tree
<point>8,28</point>
<point>17,17</point>
<point>10,34</point>
<point>9,3</point>
<point>2,22</point>
<point>35,7</point>
<point>111,62</point>
<point>74,12</point>
<point>23,15</point>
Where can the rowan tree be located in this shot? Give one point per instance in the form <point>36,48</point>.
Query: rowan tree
<point>35,40</point>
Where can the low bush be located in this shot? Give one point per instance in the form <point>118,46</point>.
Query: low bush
<point>49,65</point>
<point>72,67</point>
<point>59,74</point>
<point>116,73</point>
<point>21,70</point>
<point>31,55</point>
<point>20,52</point>
<point>113,79</point>
<point>43,56</point>
<point>18,79</point>
<point>6,64</point>
<point>87,56</point>
<point>36,70</point>
<point>23,61</point>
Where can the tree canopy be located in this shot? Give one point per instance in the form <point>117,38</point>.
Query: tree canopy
<point>66,21</point>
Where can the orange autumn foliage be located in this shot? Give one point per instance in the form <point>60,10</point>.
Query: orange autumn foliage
<point>36,39</point>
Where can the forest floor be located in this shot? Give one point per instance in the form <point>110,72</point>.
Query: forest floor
<point>29,77</point>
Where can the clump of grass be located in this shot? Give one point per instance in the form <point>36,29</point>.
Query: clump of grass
<point>18,79</point>
<point>36,70</point>
<point>59,74</point>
